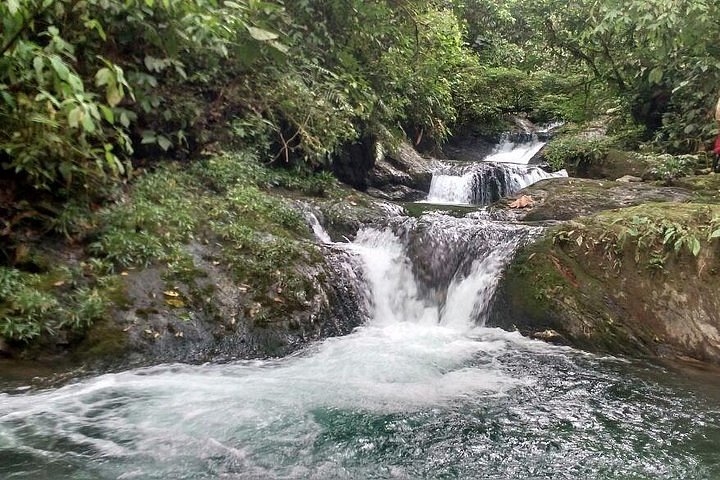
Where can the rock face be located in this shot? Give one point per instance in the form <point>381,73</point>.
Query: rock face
<point>402,174</point>
<point>608,283</point>
<point>211,317</point>
<point>568,198</point>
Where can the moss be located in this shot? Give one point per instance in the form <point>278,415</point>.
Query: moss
<point>231,199</point>
<point>104,340</point>
<point>649,234</point>
<point>706,188</point>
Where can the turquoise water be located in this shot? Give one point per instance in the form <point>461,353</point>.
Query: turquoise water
<point>420,391</point>
<point>477,404</point>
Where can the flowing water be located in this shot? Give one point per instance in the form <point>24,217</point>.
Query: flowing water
<point>504,172</point>
<point>421,390</point>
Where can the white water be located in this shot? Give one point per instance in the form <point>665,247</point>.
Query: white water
<point>169,420</point>
<point>473,182</point>
<point>504,172</point>
<point>422,390</point>
<point>512,152</point>
<point>319,232</point>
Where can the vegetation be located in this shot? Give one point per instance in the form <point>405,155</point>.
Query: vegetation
<point>650,234</point>
<point>230,199</point>
<point>114,114</point>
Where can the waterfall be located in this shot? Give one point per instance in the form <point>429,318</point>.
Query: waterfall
<point>482,183</point>
<point>504,172</point>
<point>319,232</point>
<point>508,151</point>
<point>421,390</point>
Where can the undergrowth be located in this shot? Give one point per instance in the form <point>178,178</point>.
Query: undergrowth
<point>230,199</point>
<point>652,233</point>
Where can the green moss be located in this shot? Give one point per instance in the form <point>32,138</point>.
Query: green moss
<point>651,233</point>
<point>705,187</point>
<point>105,339</point>
<point>231,199</point>
<point>535,279</point>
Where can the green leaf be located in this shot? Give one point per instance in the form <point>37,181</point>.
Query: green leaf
<point>148,136</point>
<point>695,246</point>
<point>38,65</point>
<point>107,114</point>
<point>114,95</point>
<point>104,76</point>
<point>88,124</point>
<point>13,6</point>
<point>124,120</point>
<point>164,142</point>
<point>655,76</point>
<point>74,117</point>
<point>75,82</point>
<point>60,68</point>
<point>262,35</point>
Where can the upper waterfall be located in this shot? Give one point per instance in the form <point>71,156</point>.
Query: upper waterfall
<point>504,172</point>
<point>508,151</point>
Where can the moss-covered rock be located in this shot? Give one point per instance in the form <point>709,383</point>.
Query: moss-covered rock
<point>209,262</point>
<point>641,281</point>
<point>568,198</point>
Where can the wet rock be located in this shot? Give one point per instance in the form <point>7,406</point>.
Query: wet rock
<point>568,198</point>
<point>213,317</point>
<point>550,336</point>
<point>353,163</point>
<point>397,193</point>
<point>5,350</point>
<point>398,174</point>
<point>629,179</point>
<point>403,166</point>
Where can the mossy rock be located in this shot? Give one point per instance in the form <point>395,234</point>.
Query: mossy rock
<point>568,198</point>
<point>614,282</point>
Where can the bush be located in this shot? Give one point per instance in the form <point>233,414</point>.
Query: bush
<point>577,151</point>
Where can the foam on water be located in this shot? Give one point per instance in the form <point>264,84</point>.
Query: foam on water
<point>422,390</point>
<point>483,183</point>
<point>516,152</point>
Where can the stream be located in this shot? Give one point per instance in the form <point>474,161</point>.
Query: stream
<point>422,390</point>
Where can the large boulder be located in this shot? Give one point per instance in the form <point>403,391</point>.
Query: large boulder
<point>642,281</point>
<point>400,173</point>
<point>209,316</point>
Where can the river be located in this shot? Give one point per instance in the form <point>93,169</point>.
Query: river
<point>422,390</point>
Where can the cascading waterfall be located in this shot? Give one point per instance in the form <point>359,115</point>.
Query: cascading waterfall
<point>170,421</point>
<point>509,151</point>
<point>504,172</point>
<point>422,390</point>
<point>482,183</point>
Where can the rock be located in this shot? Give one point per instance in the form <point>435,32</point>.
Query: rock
<point>213,317</point>
<point>402,167</point>
<point>402,174</point>
<point>550,336</point>
<point>354,161</point>
<point>568,198</point>
<point>603,294</point>
<point>5,350</point>
<point>629,179</point>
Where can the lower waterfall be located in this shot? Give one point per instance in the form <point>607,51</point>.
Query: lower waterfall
<point>422,390</point>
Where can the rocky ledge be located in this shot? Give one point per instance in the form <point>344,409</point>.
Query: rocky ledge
<point>641,280</point>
